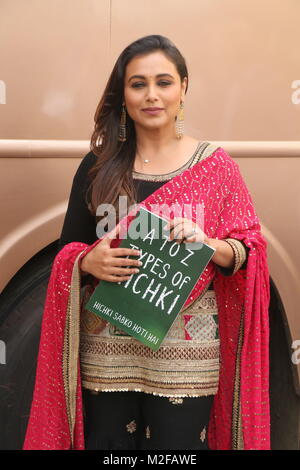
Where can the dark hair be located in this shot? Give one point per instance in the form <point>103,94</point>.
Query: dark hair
<point>111,176</point>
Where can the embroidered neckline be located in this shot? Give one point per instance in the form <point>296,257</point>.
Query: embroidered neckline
<point>166,176</point>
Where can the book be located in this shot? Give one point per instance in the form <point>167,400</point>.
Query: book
<point>146,305</point>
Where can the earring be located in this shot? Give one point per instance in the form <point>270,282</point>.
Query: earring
<point>122,127</point>
<point>180,122</point>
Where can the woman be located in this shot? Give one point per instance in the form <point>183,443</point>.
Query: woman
<point>207,385</point>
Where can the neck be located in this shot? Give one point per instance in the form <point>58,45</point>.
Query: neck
<point>153,144</point>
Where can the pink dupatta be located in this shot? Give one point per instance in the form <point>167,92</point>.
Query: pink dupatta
<point>240,417</point>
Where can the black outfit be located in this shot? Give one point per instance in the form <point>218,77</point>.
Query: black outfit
<point>132,420</point>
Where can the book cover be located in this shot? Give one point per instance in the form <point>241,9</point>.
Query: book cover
<point>146,305</point>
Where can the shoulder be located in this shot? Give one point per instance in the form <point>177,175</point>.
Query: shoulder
<point>216,162</point>
<point>85,165</point>
<point>221,158</point>
<point>88,161</point>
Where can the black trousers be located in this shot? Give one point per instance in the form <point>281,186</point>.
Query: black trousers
<point>140,421</point>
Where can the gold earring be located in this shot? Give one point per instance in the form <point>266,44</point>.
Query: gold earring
<point>180,122</point>
<point>122,127</point>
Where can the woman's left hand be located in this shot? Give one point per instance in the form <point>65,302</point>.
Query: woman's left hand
<point>185,230</point>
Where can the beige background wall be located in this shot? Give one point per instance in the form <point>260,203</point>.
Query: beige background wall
<point>242,55</point>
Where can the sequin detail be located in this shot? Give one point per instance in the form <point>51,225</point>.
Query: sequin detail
<point>131,427</point>
<point>176,401</point>
<point>203,434</point>
<point>186,364</point>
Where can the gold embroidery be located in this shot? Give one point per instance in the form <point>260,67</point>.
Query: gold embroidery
<point>180,367</point>
<point>209,150</point>
<point>113,365</point>
<point>115,331</point>
<point>240,254</point>
<point>203,434</point>
<point>131,427</point>
<point>202,328</point>
<point>89,321</point>
<point>197,299</point>
<point>65,366</point>
<point>176,401</point>
<point>71,347</point>
<point>204,149</point>
<point>171,174</point>
<point>237,430</point>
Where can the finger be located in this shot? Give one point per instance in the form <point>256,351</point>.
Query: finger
<point>125,262</point>
<point>172,222</point>
<point>112,278</point>
<point>123,271</point>
<point>176,231</point>
<point>195,237</point>
<point>189,239</point>
<point>124,252</point>
<point>180,235</point>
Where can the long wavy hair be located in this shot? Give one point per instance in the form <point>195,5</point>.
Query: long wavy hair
<point>111,175</point>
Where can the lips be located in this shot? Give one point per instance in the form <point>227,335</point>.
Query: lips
<point>152,109</point>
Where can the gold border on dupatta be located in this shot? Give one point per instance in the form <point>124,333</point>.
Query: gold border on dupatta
<point>71,347</point>
<point>237,429</point>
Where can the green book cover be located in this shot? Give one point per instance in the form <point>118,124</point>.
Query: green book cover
<point>146,305</point>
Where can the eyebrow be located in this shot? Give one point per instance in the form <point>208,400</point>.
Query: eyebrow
<point>158,75</point>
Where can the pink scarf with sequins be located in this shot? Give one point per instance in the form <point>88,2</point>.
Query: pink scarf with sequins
<point>240,417</point>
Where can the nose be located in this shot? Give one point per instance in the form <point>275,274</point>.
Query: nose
<point>151,93</point>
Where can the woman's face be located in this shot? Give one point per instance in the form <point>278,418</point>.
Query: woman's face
<point>150,90</point>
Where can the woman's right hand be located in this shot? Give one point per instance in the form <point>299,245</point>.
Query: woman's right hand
<point>104,262</point>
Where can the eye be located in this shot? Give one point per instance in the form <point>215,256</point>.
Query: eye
<point>139,84</point>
